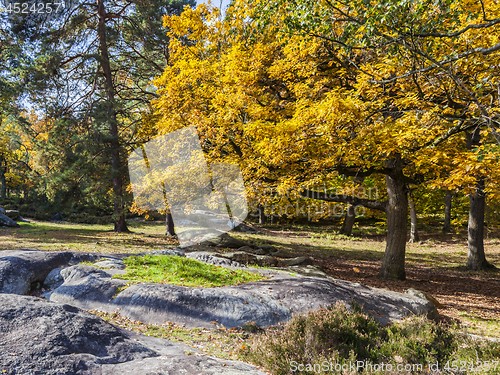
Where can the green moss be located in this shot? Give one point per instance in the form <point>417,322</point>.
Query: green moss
<point>182,271</point>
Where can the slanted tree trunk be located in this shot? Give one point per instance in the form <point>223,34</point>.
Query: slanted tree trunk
<point>393,262</point>
<point>414,237</point>
<point>169,221</point>
<point>447,212</point>
<point>116,161</point>
<point>350,218</point>
<point>476,259</point>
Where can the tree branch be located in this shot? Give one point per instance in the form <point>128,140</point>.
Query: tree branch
<point>355,201</point>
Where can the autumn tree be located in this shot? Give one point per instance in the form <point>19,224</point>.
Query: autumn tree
<point>432,62</point>
<point>295,111</point>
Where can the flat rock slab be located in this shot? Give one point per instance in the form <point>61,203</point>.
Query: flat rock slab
<point>20,268</point>
<point>41,337</point>
<point>266,302</point>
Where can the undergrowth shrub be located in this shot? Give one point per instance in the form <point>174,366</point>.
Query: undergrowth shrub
<point>339,335</point>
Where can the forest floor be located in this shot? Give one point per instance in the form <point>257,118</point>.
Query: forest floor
<point>434,265</point>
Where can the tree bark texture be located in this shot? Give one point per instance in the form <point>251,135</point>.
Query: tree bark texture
<point>414,237</point>
<point>116,162</point>
<point>393,262</point>
<point>447,212</point>
<point>350,218</point>
<point>476,259</point>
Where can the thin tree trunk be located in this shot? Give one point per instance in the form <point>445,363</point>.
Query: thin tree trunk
<point>476,259</point>
<point>350,218</point>
<point>3,181</point>
<point>262,215</point>
<point>169,224</point>
<point>116,162</point>
<point>447,212</point>
<point>393,262</point>
<point>414,237</point>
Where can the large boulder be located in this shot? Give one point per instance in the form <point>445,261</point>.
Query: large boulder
<point>19,269</point>
<point>267,302</point>
<point>41,337</point>
<point>7,221</point>
<point>85,286</point>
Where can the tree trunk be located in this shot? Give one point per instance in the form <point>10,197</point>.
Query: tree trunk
<point>476,259</point>
<point>447,212</point>
<point>262,215</point>
<point>169,224</point>
<point>393,262</point>
<point>414,237</point>
<point>350,218</point>
<point>116,162</point>
<point>3,181</point>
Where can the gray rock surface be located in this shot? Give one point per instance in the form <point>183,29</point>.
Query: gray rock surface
<point>53,279</point>
<point>266,302</point>
<point>2,210</point>
<point>86,287</point>
<point>240,257</point>
<point>40,337</point>
<point>111,263</point>
<point>21,268</point>
<point>7,221</point>
<point>298,261</point>
<point>244,228</point>
<point>210,258</point>
<point>225,240</point>
<point>313,271</point>
<point>250,259</point>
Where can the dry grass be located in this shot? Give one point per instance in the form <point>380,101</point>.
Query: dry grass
<point>42,235</point>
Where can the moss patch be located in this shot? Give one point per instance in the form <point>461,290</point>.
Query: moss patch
<point>167,269</point>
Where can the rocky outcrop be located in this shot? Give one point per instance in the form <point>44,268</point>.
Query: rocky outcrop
<point>19,269</point>
<point>86,287</point>
<point>40,337</point>
<point>266,302</point>
<point>7,221</point>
